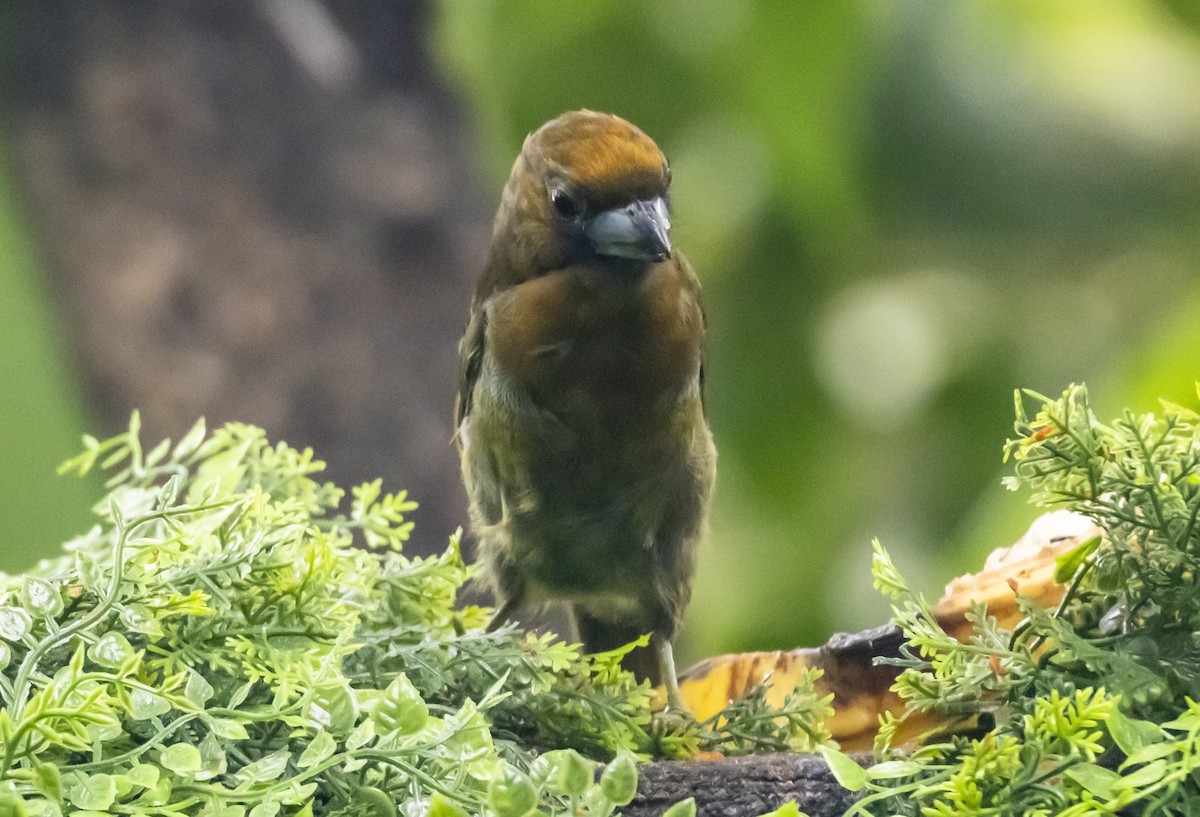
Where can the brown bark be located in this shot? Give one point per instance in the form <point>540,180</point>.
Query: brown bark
<point>257,210</point>
<point>741,787</point>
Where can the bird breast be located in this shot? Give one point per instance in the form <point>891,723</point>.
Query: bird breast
<point>615,346</point>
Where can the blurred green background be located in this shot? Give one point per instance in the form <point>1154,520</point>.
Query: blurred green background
<point>900,213</point>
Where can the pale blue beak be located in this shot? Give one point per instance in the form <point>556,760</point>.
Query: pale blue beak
<point>639,231</point>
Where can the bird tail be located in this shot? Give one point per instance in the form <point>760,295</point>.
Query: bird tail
<point>602,635</point>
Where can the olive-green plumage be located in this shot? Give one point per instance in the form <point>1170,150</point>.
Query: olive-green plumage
<point>585,450</point>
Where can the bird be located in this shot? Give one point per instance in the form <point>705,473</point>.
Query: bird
<point>580,416</point>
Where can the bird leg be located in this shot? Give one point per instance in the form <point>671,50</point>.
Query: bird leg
<point>666,669</point>
<point>502,612</point>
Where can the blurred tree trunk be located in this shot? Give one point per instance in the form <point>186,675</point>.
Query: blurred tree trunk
<point>258,210</point>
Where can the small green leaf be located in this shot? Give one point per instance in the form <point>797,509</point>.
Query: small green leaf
<point>1152,752</point>
<point>190,441</point>
<point>87,568</point>
<point>228,728</point>
<point>363,734</point>
<point>48,780</point>
<point>845,769</point>
<point>198,690</point>
<point>13,805</point>
<point>102,732</point>
<point>335,708</point>
<point>297,792</point>
<point>1096,779</point>
<point>181,758</point>
<point>375,802</point>
<point>212,758</point>
<point>139,619</point>
<point>75,665</point>
<point>569,774</point>
<point>42,808</point>
<point>143,774</point>
<point>240,694</point>
<point>266,809</point>
<point>15,623</point>
<point>319,749</point>
<point>160,792</point>
<point>1068,564</point>
<point>155,457</point>
<point>890,769</point>
<point>619,779</point>
<point>512,794</point>
<point>112,650</point>
<point>144,705</point>
<point>401,710</point>
<point>1184,723</point>
<point>442,806</point>
<point>267,767</point>
<point>788,809</point>
<point>1148,775</point>
<point>93,791</point>
<point>40,597</point>
<point>124,785</point>
<point>1131,734</point>
<point>597,804</point>
<point>684,808</point>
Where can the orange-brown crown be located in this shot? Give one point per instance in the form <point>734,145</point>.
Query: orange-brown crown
<point>606,156</point>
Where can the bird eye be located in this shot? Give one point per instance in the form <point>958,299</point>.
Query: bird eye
<point>564,205</point>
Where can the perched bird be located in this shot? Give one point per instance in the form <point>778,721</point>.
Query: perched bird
<point>580,413</point>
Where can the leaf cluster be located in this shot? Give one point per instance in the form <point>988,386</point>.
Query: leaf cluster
<point>237,638</point>
<point>1089,708</point>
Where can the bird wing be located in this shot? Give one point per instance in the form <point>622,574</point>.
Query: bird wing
<point>693,281</point>
<point>470,361</point>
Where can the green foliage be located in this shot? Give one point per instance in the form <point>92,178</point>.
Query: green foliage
<point>751,724</point>
<point>1090,708</point>
<point>227,641</point>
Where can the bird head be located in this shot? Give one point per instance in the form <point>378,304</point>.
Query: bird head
<point>586,186</point>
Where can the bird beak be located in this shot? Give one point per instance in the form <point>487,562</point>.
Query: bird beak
<point>638,231</point>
